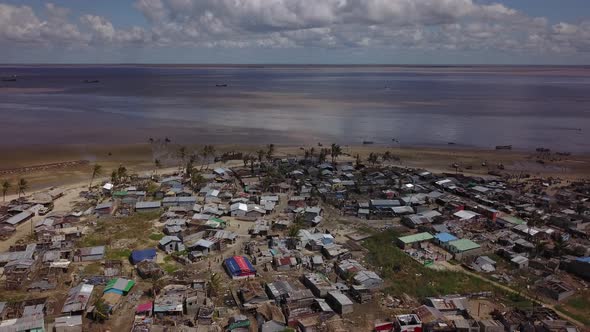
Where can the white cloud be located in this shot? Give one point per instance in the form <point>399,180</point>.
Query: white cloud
<point>396,24</point>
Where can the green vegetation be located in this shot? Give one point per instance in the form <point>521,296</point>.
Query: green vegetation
<point>118,253</point>
<point>412,278</point>
<point>156,236</point>
<point>135,230</point>
<point>577,307</point>
<point>170,268</point>
<point>579,317</point>
<point>92,269</point>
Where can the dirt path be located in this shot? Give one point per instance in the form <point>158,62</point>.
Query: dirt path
<point>459,268</point>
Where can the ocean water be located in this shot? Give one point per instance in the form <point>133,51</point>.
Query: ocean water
<point>527,107</point>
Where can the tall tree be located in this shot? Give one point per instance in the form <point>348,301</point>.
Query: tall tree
<point>260,154</point>
<point>121,173</point>
<point>207,152</point>
<point>22,185</point>
<point>96,171</point>
<point>270,150</point>
<point>182,155</point>
<point>197,179</point>
<point>335,152</point>
<point>387,155</point>
<point>323,154</point>
<point>5,187</point>
<point>373,158</point>
<point>114,177</point>
<point>358,160</point>
<point>158,164</point>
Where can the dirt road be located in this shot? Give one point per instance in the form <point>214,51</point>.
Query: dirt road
<point>459,268</point>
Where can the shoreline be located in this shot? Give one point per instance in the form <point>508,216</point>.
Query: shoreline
<point>80,158</point>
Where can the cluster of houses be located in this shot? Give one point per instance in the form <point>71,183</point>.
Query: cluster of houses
<point>288,267</point>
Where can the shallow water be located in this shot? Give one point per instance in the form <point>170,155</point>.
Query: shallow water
<point>526,107</point>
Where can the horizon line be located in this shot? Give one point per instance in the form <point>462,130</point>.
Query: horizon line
<point>290,64</point>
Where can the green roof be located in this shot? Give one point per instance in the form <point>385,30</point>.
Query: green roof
<point>126,289</point>
<point>217,220</point>
<point>244,323</point>
<point>416,238</point>
<point>513,220</point>
<point>120,193</point>
<point>464,244</point>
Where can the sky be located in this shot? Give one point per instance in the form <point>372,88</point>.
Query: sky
<point>296,31</point>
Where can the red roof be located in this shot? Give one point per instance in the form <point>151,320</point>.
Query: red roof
<point>143,307</point>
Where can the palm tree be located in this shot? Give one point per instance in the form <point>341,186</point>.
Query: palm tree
<point>252,160</point>
<point>387,155</point>
<point>358,160</point>
<point>311,152</point>
<point>182,155</point>
<point>270,150</point>
<point>323,154</point>
<point>96,170</point>
<point>151,140</point>
<point>22,185</point>
<point>373,158</point>
<point>245,159</point>
<point>158,164</point>
<point>260,154</point>
<point>197,179</point>
<point>559,245</point>
<point>5,186</point>
<point>335,152</point>
<point>207,152</point>
<point>114,177</point>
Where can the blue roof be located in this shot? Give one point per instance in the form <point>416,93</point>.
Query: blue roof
<point>445,237</point>
<point>584,259</point>
<point>141,255</point>
<point>113,290</point>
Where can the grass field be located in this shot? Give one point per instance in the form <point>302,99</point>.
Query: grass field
<point>578,307</point>
<point>128,233</point>
<point>409,277</point>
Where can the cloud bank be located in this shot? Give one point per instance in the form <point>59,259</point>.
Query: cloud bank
<point>330,24</point>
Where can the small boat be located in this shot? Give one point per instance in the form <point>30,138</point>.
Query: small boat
<point>503,147</point>
<point>91,81</point>
<point>221,85</point>
<point>9,79</point>
<point>451,143</point>
<point>368,142</point>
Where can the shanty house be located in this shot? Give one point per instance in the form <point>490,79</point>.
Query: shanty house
<point>171,243</point>
<point>142,255</point>
<point>339,302</point>
<point>90,254</point>
<point>414,240</point>
<point>463,248</point>
<point>148,206</point>
<point>77,299</point>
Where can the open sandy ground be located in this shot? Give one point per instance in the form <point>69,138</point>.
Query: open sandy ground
<point>140,158</point>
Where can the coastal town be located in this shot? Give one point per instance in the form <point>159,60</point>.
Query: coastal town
<point>320,239</point>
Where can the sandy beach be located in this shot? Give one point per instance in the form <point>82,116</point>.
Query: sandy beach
<point>57,165</point>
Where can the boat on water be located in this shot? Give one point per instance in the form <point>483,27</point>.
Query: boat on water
<point>91,81</point>
<point>368,142</point>
<point>451,143</point>
<point>221,85</point>
<point>9,79</point>
<point>503,147</point>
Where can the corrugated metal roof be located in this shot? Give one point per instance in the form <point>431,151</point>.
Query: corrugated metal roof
<point>464,244</point>
<point>148,205</point>
<point>17,219</point>
<point>416,238</point>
